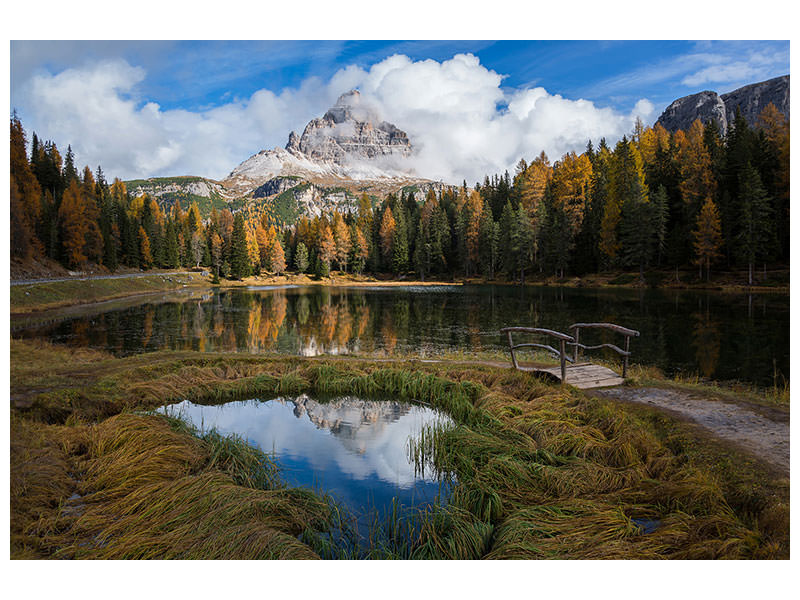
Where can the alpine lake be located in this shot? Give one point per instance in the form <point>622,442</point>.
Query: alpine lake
<point>358,449</point>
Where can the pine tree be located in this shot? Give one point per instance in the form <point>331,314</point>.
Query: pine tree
<point>171,255</point>
<point>638,235</point>
<point>507,223</point>
<point>660,217</point>
<point>400,242</point>
<point>488,242</point>
<point>359,250</point>
<point>740,146</point>
<point>70,172</point>
<point>556,237</point>
<point>626,186</point>
<point>522,246</point>
<point>755,229</point>
<point>240,258</point>
<point>301,257</point>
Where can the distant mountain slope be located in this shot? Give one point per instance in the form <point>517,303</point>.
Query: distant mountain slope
<point>750,99</point>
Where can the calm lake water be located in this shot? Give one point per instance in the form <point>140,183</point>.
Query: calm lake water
<point>356,450</point>
<point>716,335</point>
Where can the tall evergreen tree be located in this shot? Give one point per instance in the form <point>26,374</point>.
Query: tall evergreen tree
<point>755,236</point>
<point>301,257</point>
<point>556,237</point>
<point>240,258</point>
<point>488,242</point>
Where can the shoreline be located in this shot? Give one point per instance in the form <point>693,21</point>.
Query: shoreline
<point>62,294</point>
<point>31,299</point>
<point>349,280</point>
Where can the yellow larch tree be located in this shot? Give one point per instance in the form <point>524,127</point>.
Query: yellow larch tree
<point>707,236</point>
<point>532,181</point>
<point>571,178</point>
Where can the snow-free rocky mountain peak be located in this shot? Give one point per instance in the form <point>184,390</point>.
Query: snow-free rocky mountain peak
<point>707,105</point>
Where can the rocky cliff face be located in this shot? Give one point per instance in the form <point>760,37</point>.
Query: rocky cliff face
<point>166,186</point>
<point>707,105</point>
<point>349,132</point>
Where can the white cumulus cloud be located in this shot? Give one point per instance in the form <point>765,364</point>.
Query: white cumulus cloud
<point>462,122</point>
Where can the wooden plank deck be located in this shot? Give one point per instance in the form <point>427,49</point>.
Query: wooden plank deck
<point>584,376</point>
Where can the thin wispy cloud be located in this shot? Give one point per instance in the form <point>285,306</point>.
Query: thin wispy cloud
<point>723,64</point>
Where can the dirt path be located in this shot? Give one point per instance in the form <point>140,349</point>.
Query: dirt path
<point>766,438</point>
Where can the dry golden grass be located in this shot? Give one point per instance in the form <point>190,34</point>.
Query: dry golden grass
<point>543,471</point>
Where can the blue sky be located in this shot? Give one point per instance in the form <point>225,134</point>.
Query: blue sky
<point>198,74</point>
<point>203,84</point>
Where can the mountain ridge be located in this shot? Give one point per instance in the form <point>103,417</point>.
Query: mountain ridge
<point>751,99</point>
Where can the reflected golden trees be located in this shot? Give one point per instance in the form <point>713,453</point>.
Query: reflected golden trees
<point>272,315</point>
<point>474,327</point>
<point>706,341</point>
<point>147,326</point>
<point>81,332</point>
<point>199,327</point>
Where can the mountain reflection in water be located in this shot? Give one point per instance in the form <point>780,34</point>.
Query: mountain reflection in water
<point>354,449</point>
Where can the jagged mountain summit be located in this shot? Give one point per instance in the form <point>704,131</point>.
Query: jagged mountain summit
<point>707,105</point>
<point>348,145</point>
<point>346,152</point>
<point>349,130</point>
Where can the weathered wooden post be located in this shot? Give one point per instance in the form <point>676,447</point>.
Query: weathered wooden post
<point>627,352</point>
<point>564,361</point>
<point>577,341</point>
<point>511,349</point>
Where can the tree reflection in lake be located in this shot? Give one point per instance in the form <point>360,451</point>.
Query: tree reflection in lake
<point>706,340</point>
<point>724,336</point>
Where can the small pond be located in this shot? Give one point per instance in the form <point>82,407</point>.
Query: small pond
<point>356,450</point>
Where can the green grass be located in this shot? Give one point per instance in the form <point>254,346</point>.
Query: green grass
<point>42,296</point>
<point>543,471</point>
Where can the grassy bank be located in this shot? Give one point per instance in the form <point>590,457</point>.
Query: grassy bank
<point>56,294</point>
<point>543,472</point>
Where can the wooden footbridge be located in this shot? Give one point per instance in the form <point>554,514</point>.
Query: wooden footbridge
<point>582,375</point>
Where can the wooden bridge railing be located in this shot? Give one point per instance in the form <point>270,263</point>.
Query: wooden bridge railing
<point>563,339</point>
<point>628,333</point>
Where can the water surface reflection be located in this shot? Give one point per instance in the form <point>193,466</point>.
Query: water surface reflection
<point>354,449</point>
<point>721,336</point>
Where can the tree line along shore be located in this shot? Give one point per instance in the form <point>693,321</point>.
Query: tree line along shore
<point>655,201</point>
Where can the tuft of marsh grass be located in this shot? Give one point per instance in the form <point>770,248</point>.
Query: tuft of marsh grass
<point>541,471</point>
